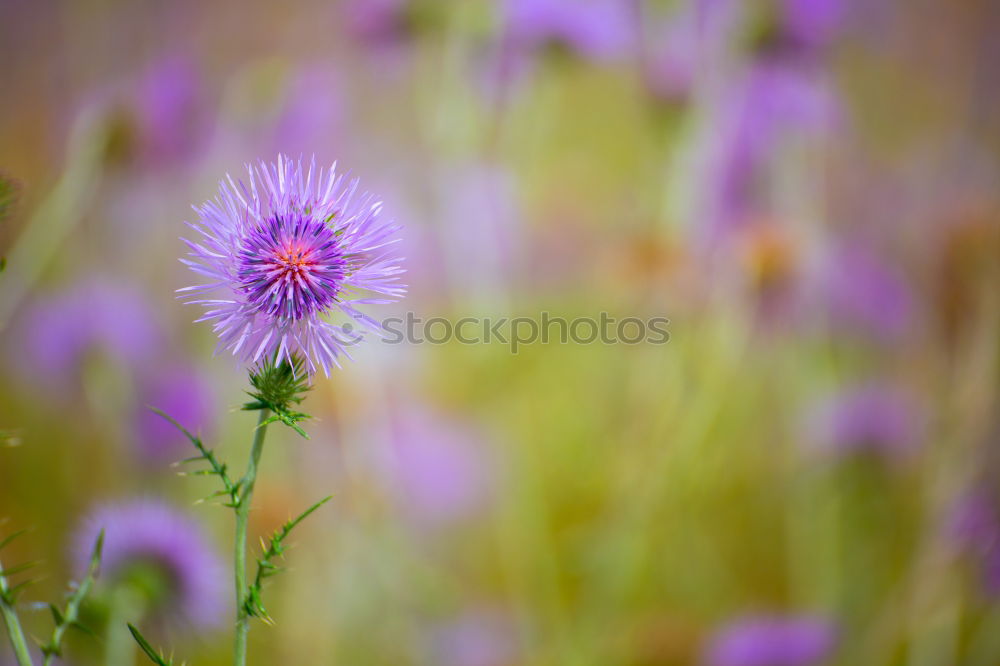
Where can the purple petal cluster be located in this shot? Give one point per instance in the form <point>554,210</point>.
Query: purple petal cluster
<point>772,641</point>
<point>150,533</point>
<point>284,250</point>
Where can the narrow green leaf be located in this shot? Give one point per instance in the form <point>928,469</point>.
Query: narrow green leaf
<point>11,537</point>
<point>57,615</point>
<point>215,467</point>
<point>154,656</point>
<point>65,619</point>
<point>18,568</point>
<point>266,566</point>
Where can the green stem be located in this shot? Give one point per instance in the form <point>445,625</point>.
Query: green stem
<point>14,631</point>
<point>240,554</point>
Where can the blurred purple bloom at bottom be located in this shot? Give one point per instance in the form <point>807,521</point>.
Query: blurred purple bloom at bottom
<point>154,545</point>
<point>870,418</point>
<point>772,641</point>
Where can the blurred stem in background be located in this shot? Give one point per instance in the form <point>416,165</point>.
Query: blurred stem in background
<point>240,554</point>
<point>57,214</point>
<point>14,631</point>
<point>119,648</point>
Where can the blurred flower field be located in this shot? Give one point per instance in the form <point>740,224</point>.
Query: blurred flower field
<point>804,469</point>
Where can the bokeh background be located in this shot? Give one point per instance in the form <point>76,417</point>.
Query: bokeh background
<point>807,473</point>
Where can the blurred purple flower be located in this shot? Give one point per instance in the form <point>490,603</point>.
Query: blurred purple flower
<point>437,466</point>
<point>476,638</point>
<point>599,30</point>
<point>55,334</point>
<point>863,294</point>
<point>169,108</point>
<point>772,641</point>
<point>869,418</point>
<point>284,251</point>
<point>181,392</point>
<point>811,23</point>
<point>671,55</point>
<point>480,230</point>
<point>154,545</point>
<point>974,527</point>
<point>313,114</point>
<point>747,128</point>
<point>378,22</point>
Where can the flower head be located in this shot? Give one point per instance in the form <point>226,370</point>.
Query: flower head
<point>162,554</point>
<point>772,641</point>
<point>285,250</point>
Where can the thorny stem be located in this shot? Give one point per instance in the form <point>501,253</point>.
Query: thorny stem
<point>14,631</point>
<point>240,554</point>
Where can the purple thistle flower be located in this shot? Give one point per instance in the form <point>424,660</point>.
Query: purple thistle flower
<point>284,251</point>
<point>873,418</point>
<point>772,641</point>
<point>147,537</point>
